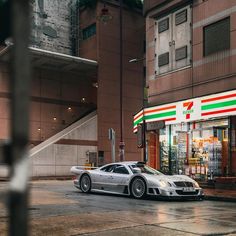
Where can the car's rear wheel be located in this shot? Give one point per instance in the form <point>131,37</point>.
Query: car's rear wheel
<point>85,183</point>
<point>138,188</point>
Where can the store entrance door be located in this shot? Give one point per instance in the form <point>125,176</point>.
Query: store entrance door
<point>209,153</point>
<point>219,162</point>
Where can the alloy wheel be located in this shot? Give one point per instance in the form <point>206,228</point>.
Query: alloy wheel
<point>138,188</point>
<point>85,184</point>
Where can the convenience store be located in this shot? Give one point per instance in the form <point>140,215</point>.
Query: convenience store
<point>197,137</point>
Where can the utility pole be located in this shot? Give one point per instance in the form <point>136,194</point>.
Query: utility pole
<point>122,143</point>
<point>112,138</point>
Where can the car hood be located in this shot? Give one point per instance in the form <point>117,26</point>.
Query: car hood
<point>168,178</point>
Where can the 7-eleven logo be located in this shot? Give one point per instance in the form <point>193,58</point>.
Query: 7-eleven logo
<point>189,109</point>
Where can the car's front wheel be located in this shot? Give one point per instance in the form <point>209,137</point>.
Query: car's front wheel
<point>85,183</point>
<point>138,188</point>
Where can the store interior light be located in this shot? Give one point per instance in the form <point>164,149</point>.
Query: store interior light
<point>69,109</point>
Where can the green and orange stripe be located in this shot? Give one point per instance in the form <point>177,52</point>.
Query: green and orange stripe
<point>225,104</point>
<point>158,113</point>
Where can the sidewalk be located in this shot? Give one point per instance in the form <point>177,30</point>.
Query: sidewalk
<point>220,194</point>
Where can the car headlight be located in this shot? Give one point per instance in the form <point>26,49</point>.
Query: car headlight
<point>196,185</point>
<point>164,183</point>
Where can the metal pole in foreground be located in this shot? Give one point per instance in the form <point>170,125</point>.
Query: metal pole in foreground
<point>122,144</point>
<point>112,138</point>
<point>20,88</point>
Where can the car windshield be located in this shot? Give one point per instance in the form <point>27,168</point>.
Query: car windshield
<point>144,169</point>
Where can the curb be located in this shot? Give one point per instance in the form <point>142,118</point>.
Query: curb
<point>219,198</point>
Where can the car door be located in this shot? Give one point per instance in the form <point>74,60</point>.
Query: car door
<point>101,180</point>
<point>119,178</point>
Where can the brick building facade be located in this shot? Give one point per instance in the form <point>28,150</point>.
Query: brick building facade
<point>191,85</point>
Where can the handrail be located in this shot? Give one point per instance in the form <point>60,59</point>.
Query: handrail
<point>61,134</point>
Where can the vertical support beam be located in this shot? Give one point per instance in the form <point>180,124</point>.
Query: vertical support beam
<point>20,87</point>
<point>169,142</point>
<point>122,144</point>
<point>144,142</point>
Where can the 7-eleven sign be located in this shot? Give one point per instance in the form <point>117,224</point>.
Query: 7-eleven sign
<point>188,109</point>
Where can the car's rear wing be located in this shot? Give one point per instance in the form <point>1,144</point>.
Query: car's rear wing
<point>79,169</point>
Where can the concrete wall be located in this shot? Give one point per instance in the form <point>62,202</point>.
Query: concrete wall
<point>55,156</point>
<point>55,102</point>
<point>51,25</point>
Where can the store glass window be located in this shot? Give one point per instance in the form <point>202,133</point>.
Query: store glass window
<point>199,150</point>
<point>164,149</point>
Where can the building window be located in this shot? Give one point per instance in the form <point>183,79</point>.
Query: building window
<point>163,59</point>
<point>89,31</point>
<point>181,53</point>
<point>173,41</point>
<point>163,25</point>
<point>217,37</point>
<point>181,17</point>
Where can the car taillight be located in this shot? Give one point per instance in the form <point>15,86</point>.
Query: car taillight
<point>74,177</point>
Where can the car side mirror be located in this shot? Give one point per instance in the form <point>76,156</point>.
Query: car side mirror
<point>136,170</point>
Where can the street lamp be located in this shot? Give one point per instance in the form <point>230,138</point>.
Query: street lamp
<point>134,60</point>
<point>122,143</point>
<point>143,128</point>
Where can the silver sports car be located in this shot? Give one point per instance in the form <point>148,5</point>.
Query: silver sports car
<point>135,179</point>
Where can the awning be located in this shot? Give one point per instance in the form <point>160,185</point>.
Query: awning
<point>201,108</point>
<point>57,61</point>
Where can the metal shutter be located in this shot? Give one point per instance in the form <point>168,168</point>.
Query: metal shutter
<point>181,43</point>
<point>163,36</point>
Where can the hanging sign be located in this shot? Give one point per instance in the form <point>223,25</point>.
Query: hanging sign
<point>155,125</point>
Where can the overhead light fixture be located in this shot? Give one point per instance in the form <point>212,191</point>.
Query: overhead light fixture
<point>105,15</point>
<point>136,60</point>
<point>69,109</point>
<point>83,99</point>
<point>54,118</point>
<point>95,84</point>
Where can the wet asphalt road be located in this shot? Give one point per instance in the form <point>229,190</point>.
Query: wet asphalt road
<point>57,208</point>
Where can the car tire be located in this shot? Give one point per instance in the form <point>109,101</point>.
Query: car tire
<point>138,188</point>
<point>85,183</point>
